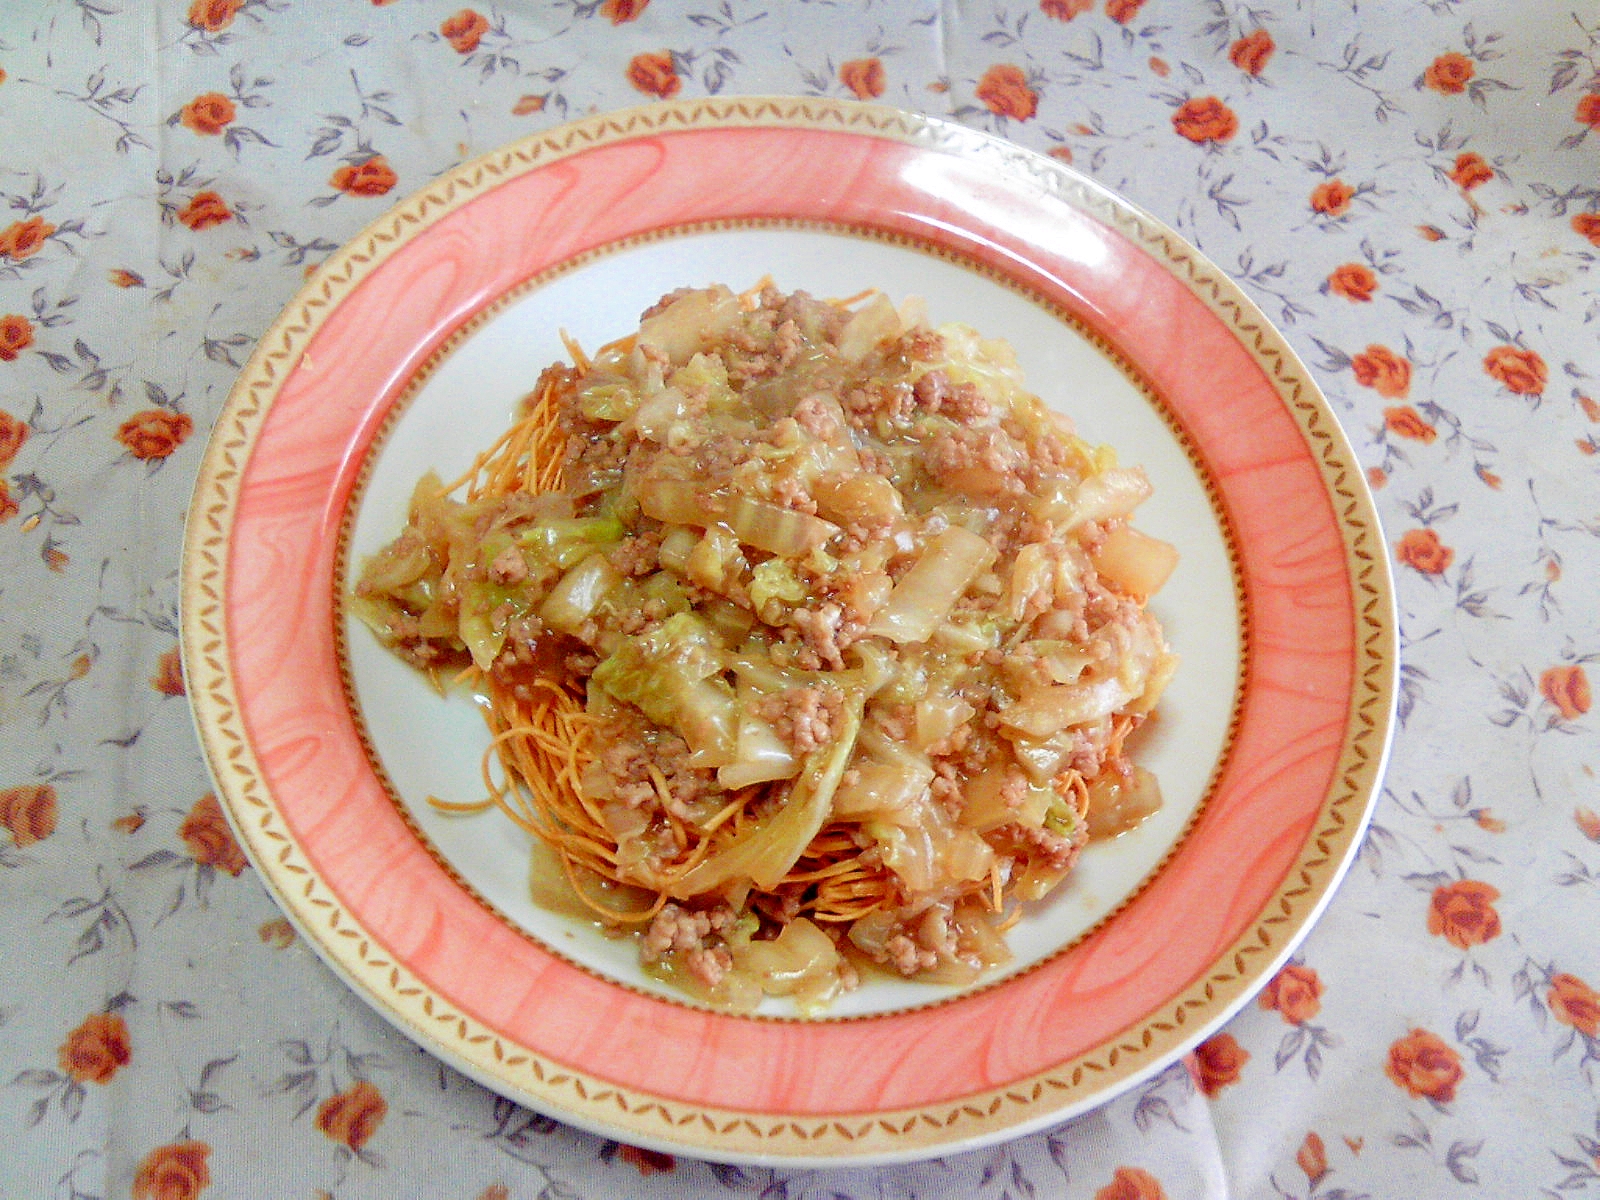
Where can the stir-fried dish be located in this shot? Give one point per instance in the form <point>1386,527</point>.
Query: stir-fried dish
<point>811,640</point>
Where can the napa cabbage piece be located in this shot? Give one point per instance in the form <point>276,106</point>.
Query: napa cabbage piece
<point>929,590</point>
<point>672,675</point>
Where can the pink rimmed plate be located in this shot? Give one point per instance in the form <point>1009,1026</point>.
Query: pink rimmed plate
<point>408,350</point>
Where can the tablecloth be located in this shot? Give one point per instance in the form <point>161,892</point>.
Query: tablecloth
<point>1409,188</point>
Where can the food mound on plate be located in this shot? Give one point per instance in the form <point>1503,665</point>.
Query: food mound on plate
<point>810,639</point>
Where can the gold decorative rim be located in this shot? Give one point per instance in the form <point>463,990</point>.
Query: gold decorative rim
<point>882,1136</point>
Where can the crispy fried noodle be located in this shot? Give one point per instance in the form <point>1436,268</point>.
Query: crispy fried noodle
<point>810,639</point>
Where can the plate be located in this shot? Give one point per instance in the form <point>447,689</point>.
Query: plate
<point>408,350</point>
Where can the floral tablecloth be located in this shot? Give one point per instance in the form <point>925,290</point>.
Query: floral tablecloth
<point>1410,188</point>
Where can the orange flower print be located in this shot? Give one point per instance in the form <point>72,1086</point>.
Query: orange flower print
<point>646,1162</point>
<point>1217,1063</point>
<point>29,812</point>
<point>1567,690</point>
<point>13,434</point>
<point>213,16</point>
<point>204,210</point>
<point>1312,1157</point>
<point>1065,10</point>
<point>1205,119</point>
<point>1005,92</point>
<point>620,12</point>
<point>168,679</point>
<point>1382,370</point>
<point>529,104</point>
<point>1123,11</point>
<point>1251,52</point>
<point>1295,993</point>
<point>1470,171</point>
<point>654,75</point>
<point>277,933</point>
<point>1573,1002</point>
<point>209,113</point>
<point>1159,67</point>
<point>464,30</point>
<point>1463,913</point>
<point>1520,371</point>
<point>1588,110</point>
<point>1421,550</point>
<point>210,841</point>
<point>352,1117</point>
<point>369,177</point>
<point>1353,281</point>
<point>123,278</point>
<point>1132,1183</point>
<point>1430,233</point>
<point>1587,225</point>
<point>24,239</point>
<point>1424,1066</point>
<point>16,335</point>
<point>154,433</point>
<point>1449,74</point>
<point>96,1050</point>
<point>1332,198</point>
<point>8,507</point>
<point>1407,422</point>
<point>1588,822</point>
<point>173,1172</point>
<point>864,77</point>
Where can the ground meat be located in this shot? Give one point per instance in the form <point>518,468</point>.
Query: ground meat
<point>815,415</point>
<point>907,957</point>
<point>636,555</point>
<point>824,321</point>
<point>709,965</point>
<point>898,722</point>
<point>787,343</point>
<point>580,665</point>
<point>686,931</point>
<point>953,744</point>
<point>961,402</point>
<point>803,716</point>
<point>1014,790</point>
<point>1058,853</point>
<point>982,460</point>
<point>946,788</point>
<point>627,760</point>
<point>930,390</point>
<point>509,568</point>
<point>791,493</point>
<point>762,346</point>
<point>719,456</point>
<point>876,462</point>
<point>965,403</point>
<point>922,345</point>
<point>888,402</point>
<point>825,634</point>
